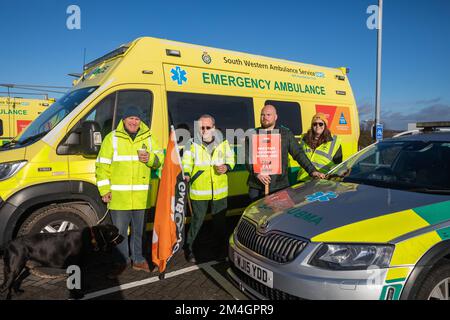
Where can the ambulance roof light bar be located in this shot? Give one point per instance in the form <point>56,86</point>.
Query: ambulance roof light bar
<point>117,52</point>
<point>435,124</point>
<point>432,126</point>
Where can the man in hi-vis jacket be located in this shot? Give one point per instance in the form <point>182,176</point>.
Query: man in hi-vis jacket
<point>205,165</point>
<point>123,172</point>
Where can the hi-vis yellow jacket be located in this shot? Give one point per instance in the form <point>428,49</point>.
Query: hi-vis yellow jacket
<point>119,171</point>
<point>198,163</point>
<point>321,158</point>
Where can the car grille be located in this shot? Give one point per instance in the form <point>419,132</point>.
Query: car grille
<point>269,293</point>
<point>274,246</point>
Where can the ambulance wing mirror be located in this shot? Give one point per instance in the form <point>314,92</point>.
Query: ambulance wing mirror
<point>91,138</point>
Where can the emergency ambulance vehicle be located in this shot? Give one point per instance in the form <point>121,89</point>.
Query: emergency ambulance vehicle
<point>378,228</point>
<point>47,176</point>
<point>17,113</point>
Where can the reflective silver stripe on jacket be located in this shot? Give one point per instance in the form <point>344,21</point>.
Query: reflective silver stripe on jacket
<point>114,143</point>
<point>103,183</point>
<point>125,158</point>
<point>208,192</point>
<point>104,160</point>
<point>116,156</point>
<point>328,155</point>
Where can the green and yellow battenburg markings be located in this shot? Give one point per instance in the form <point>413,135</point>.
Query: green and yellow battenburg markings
<point>395,279</point>
<point>394,225</point>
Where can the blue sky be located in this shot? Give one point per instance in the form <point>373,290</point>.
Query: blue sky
<point>37,48</point>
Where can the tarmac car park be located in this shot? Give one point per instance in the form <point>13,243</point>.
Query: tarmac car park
<point>378,228</point>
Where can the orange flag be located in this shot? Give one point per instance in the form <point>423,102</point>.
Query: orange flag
<point>168,228</point>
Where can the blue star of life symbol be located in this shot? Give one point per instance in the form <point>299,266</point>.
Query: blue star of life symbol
<point>342,119</point>
<point>320,196</point>
<point>179,75</point>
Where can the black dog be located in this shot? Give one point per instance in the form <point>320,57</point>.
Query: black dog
<point>55,250</point>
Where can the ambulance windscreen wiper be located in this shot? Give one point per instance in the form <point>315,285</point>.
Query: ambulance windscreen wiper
<point>33,138</point>
<point>8,144</point>
<point>336,176</point>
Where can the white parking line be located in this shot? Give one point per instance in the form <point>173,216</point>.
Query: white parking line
<point>130,285</point>
<point>224,283</point>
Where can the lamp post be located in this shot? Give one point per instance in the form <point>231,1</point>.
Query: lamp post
<point>377,123</point>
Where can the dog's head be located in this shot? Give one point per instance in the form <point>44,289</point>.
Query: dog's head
<point>105,237</point>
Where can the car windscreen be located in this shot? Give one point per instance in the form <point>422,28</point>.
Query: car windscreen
<point>422,166</point>
<point>54,114</point>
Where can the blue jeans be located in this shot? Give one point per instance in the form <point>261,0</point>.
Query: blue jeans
<point>121,219</point>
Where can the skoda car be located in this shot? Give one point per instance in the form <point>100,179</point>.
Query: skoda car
<point>377,228</point>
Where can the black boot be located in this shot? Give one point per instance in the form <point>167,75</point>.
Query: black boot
<point>189,256</point>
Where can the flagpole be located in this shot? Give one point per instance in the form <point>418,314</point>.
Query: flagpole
<point>182,171</point>
<point>172,138</point>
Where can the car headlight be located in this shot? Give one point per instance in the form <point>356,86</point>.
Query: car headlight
<point>8,169</point>
<point>352,256</point>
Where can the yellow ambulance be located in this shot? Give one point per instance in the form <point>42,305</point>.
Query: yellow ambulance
<point>17,113</point>
<point>47,176</point>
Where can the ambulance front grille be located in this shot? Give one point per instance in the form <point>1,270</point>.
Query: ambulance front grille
<point>273,245</point>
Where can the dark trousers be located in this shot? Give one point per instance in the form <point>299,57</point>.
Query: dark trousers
<point>256,194</point>
<point>218,211</point>
<point>121,219</point>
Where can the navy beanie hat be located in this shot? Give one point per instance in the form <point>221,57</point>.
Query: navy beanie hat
<point>132,111</point>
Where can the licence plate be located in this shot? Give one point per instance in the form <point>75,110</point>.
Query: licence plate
<point>255,271</point>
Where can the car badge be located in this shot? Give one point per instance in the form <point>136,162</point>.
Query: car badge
<point>263,223</point>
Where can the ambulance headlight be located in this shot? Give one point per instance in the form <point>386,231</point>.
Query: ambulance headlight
<point>352,256</point>
<point>9,169</point>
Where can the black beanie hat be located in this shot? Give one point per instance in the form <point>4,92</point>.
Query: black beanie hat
<point>132,111</point>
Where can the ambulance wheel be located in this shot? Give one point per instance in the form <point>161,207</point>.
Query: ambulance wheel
<point>436,285</point>
<point>55,218</point>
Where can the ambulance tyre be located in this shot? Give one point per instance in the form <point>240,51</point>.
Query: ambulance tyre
<point>436,285</point>
<point>56,218</point>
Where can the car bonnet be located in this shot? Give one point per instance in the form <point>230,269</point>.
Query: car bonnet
<point>347,212</point>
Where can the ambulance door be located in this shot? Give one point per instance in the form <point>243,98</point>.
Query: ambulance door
<point>25,113</point>
<point>4,120</point>
<point>107,112</point>
<point>15,105</point>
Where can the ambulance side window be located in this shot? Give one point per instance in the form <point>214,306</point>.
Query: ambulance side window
<point>103,114</point>
<point>229,112</point>
<point>289,115</point>
<point>108,112</point>
<point>142,99</point>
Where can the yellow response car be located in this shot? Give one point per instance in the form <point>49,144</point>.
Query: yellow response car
<point>378,228</point>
